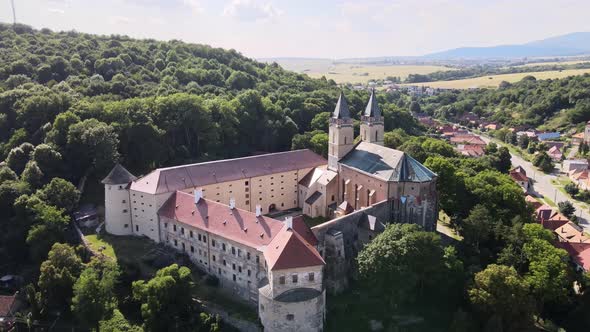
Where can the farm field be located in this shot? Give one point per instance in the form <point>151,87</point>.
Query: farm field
<point>352,73</point>
<point>494,80</point>
<point>557,63</point>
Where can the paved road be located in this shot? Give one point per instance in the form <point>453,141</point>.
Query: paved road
<point>542,185</point>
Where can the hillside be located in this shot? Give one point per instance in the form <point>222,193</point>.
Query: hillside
<point>576,43</point>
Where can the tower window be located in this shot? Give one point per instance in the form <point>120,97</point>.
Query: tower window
<point>311,276</point>
<point>294,278</point>
<point>290,317</point>
<point>282,280</point>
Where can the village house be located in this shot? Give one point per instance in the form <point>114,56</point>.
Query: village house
<point>468,139</point>
<point>579,178</point>
<point>9,307</point>
<point>555,154</point>
<point>587,133</point>
<point>518,174</point>
<point>569,165</point>
<point>550,218</point>
<point>470,150</point>
<point>533,202</point>
<point>578,138</point>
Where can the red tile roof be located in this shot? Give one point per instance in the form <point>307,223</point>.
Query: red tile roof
<point>467,139</point>
<point>301,227</point>
<point>6,304</point>
<point>518,176</point>
<point>289,250</point>
<point>579,252</point>
<point>532,201</point>
<point>237,225</point>
<point>164,180</point>
<point>471,150</point>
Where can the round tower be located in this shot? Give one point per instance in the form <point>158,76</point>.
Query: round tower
<point>293,297</point>
<point>117,208</point>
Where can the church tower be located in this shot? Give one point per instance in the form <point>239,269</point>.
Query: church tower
<point>372,128</point>
<point>341,139</point>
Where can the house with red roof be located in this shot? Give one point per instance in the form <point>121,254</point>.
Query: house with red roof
<point>518,174</point>
<point>550,218</point>
<point>9,307</point>
<point>469,139</point>
<point>555,154</point>
<point>470,150</point>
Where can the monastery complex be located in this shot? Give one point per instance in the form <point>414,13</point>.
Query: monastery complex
<point>218,213</point>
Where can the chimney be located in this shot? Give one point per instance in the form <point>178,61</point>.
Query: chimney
<point>198,195</point>
<point>258,210</point>
<point>289,222</point>
<point>232,203</point>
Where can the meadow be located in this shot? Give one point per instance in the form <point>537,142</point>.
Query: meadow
<point>493,81</point>
<point>352,73</point>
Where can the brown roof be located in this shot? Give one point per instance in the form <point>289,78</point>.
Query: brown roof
<point>164,180</point>
<point>6,304</point>
<point>579,252</point>
<point>467,139</point>
<point>237,225</point>
<point>301,227</point>
<point>517,176</point>
<point>471,150</point>
<point>570,232</point>
<point>289,250</point>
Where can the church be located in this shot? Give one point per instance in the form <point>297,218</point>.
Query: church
<point>220,214</point>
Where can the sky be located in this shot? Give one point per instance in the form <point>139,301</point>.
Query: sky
<point>314,28</point>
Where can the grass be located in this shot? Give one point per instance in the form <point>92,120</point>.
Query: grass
<point>494,80</point>
<point>314,221</point>
<point>138,249</point>
<point>355,73</point>
<point>549,202</point>
<point>128,248</point>
<point>444,226</point>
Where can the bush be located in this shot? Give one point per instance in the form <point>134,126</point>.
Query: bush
<point>571,189</point>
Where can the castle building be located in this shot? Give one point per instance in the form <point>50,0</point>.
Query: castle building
<point>217,213</point>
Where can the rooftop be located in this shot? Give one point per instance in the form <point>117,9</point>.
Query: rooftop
<point>164,180</point>
<point>6,305</point>
<point>118,175</point>
<point>289,250</point>
<point>386,164</point>
<point>234,224</point>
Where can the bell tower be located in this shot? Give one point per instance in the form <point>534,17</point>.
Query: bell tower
<point>341,139</point>
<point>372,128</point>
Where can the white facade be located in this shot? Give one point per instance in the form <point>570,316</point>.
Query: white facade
<point>117,209</point>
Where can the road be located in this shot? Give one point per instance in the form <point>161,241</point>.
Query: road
<point>542,185</point>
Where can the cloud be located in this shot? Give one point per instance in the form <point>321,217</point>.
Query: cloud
<point>251,10</point>
<point>195,5</point>
<point>120,20</point>
<point>56,11</point>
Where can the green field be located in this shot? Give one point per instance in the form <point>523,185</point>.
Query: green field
<point>494,80</point>
<point>553,63</point>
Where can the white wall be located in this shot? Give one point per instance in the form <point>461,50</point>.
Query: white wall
<point>117,209</point>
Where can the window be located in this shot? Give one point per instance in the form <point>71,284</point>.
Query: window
<point>175,243</point>
<point>240,269</point>
<point>125,211</point>
<point>174,227</point>
<point>191,234</point>
<point>249,272</point>
<point>233,251</point>
<point>120,187</point>
<point>165,225</point>
<point>239,252</point>
<point>223,246</point>
<point>311,276</point>
<point>248,256</point>
<point>224,263</point>
<point>257,259</point>
<point>233,266</point>
<point>126,225</point>
<point>219,270</point>
<point>247,189</point>
<point>192,249</point>
<point>124,201</point>
<point>247,195</point>
<point>199,237</point>
<point>137,227</point>
<point>234,277</point>
<point>294,278</point>
<point>205,238</point>
<point>213,243</point>
<point>182,230</point>
<point>246,183</point>
<point>282,280</point>
<point>247,202</point>
<point>290,317</point>
<point>214,258</point>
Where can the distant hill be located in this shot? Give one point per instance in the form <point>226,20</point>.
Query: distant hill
<point>577,43</point>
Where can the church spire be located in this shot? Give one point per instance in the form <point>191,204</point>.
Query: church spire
<point>372,109</point>
<point>341,111</point>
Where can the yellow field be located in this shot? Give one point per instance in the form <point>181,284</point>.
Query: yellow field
<point>494,80</point>
<point>558,63</point>
<point>352,73</point>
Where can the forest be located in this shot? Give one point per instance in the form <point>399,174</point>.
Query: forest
<point>74,104</point>
<point>551,104</point>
